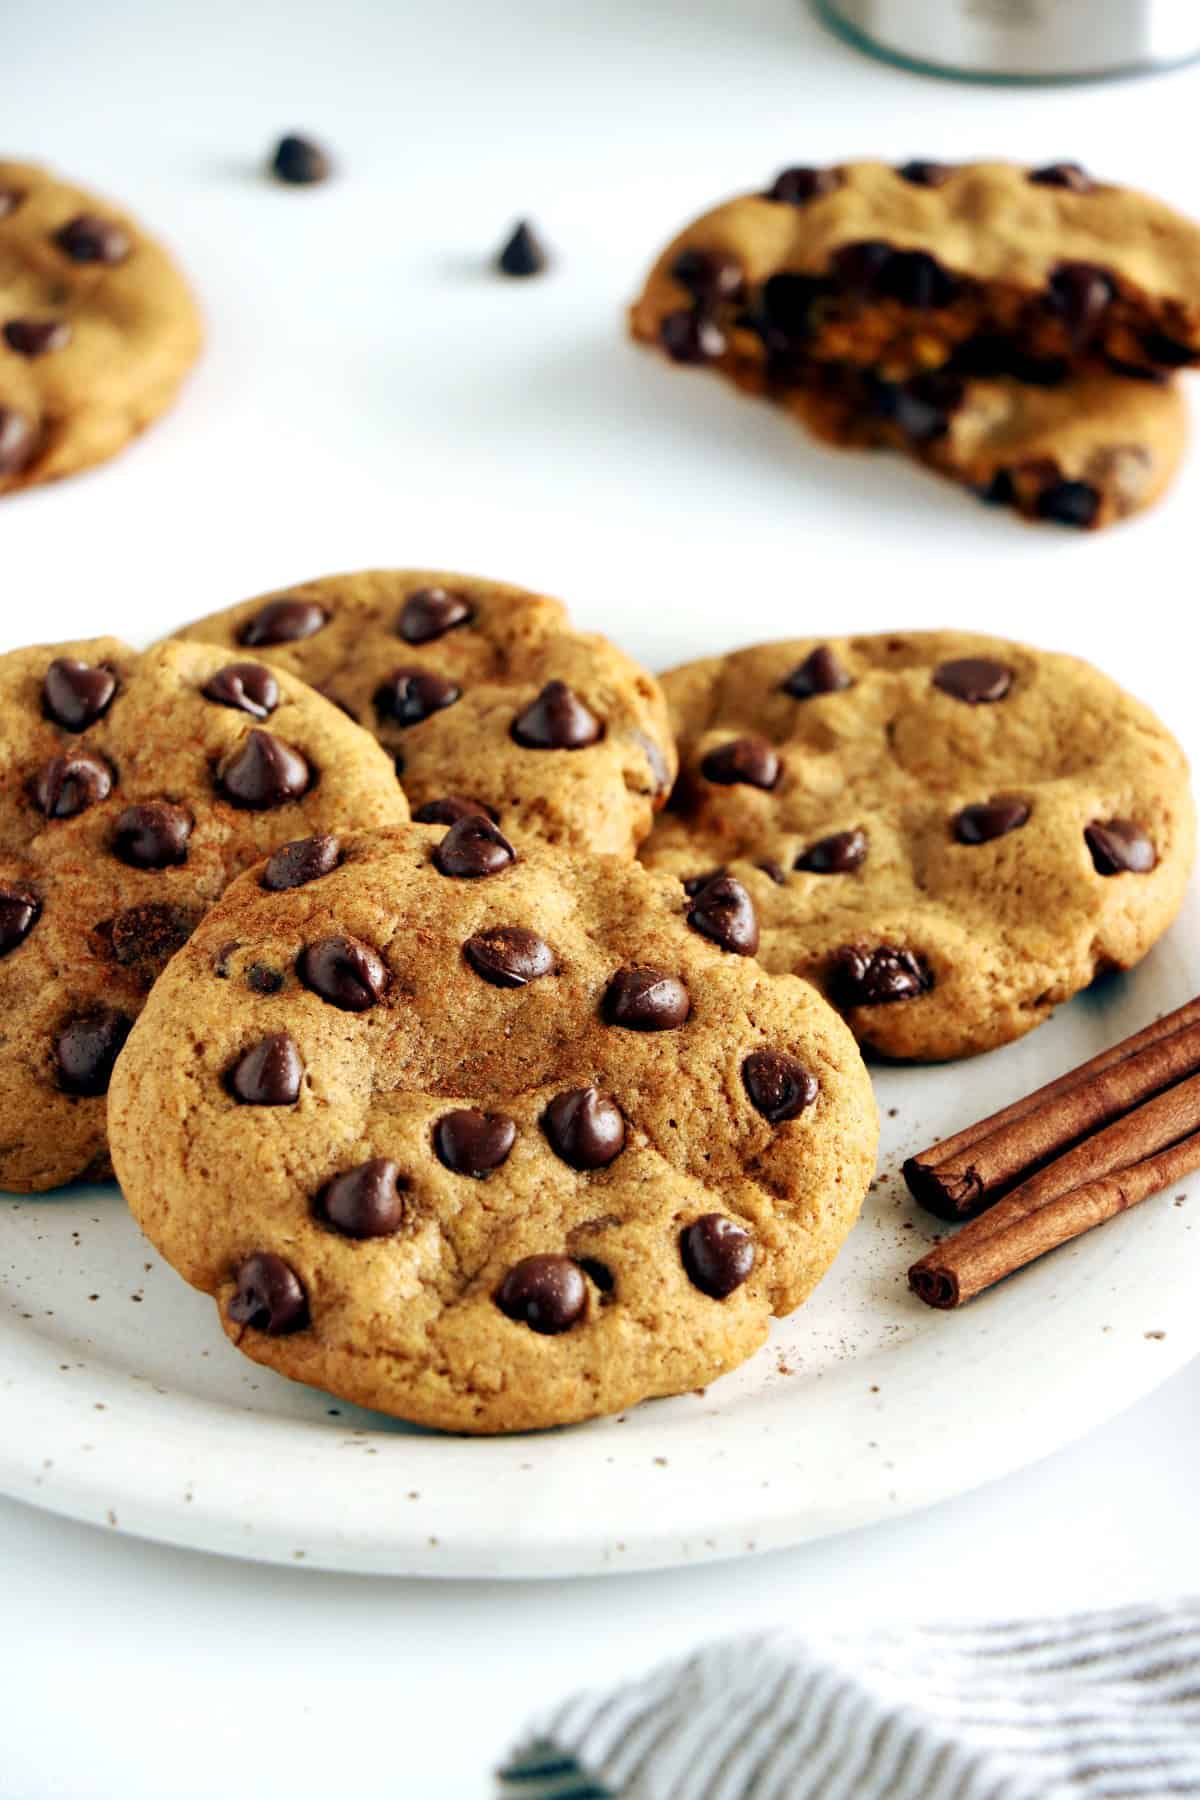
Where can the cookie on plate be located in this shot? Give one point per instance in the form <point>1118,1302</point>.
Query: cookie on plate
<point>97,328</point>
<point>485,694</point>
<point>133,787</point>
<point>948,833</point>
<point>510,1138</point>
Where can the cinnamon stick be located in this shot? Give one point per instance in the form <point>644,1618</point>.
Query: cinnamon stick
<point>974,1167</point>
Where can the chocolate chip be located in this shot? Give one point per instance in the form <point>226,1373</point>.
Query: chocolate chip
<point>1167,350</point>
<point>283,622</point>
<point>644,999</point>
<point>692,336</point>
<point>717,1254</point>
<point>923,407</point>
<point>75,694</point>
<point>90,239</point>
<point>509,956</point>
<point>1073,503</point>
<point>150,933</point>
<point>303,860</point>
<point>784,311</point>
<point>916,279</point>
<point>270,1296</point>
<point>10,199</point>
<point>344,971</point>
<point>874,977</point>
<point>839,854</point>
<point>36,337</point>
<point>1001,490</point>
<point>1120,847</point>
<point>19,912</point>
<point>69,784</point>
<point>708,275</point>
<point>976,680</point>
<point>598,1272</point>
<point>17,440</point>
<point>693,883</point>
<point>450,809</point>
<point>547,1293</point>
<point>263,772</point>
<point>1080,293</point>
<point>660,772</point>
<point>779,1086</point>
<point>724,913</point>
<point>773,870</point>
<point>271,1073</point>
<point>300,162</point>
<point>247,686</point>
<point>1063,175</point>
<point>860,266</point>
<point>926,174</point>
<point>522,253</point>
<point>747,760</point>
<point>410,695</point>
<point>431,612</point>
<point>87,1048</point>
<point>472,1142</point>
<point>366,1202</point>
<point>472,848</point>
<point>557,720</point>
<point>819,673</point>
<point>261,979</point>
<point>153,835</point>
<point>989,819</point>
<point>585,1128</point>
<point>796,187</point>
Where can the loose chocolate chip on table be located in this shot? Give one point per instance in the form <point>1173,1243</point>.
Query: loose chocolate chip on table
<point>860,266</point>
<point>271,1073</point>
<point>746,760</point>
<point>509,956</point>
<point>916,279</point>
<point>19,912</point>
<point>1063,175</point>
<point>819,673</point>
<point>877,976</point>
<point>69,784</point>
<point>691,336</point>
<point>473,848</point>
<point>472,1142</point>
<point>270,1296</point>
<point>303,860</point>
<point>1120,847</point>
<point>557,720</point>
<point>839,854</point>
<point>91,239</point>
<point>17,439</point>
<point>1073,503</point>
<point>779,1085</point>
<point>926,174</point>
<point>366,1202</point>
<point>37,337</point>
<point>153,835</point>
<point>344,971</point>
<point>86,1049</point>
<point>522,253</point>
<point>693,883</point>
<point>644,999</point>
<point>430,613</point>
<point>283,622</point>
<point>10,199</point>
<point>989,819</point>
<point>710,275</point>
<point>300,162</point>
<point>717,1254</point>
<point>449,810</point>
<point>976,680</point>
<point>247,686</point>
<point>796,187</point>
<point>263,772</point>
<point>724,913</point>
<point>585,1128</point>
<point>75,695</point>
<point>410,695</point>
<point>547,1293</point>
<point>1080,293</point>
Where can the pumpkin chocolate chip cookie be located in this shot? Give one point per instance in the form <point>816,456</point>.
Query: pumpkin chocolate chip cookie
<point>948,833</point>
<point>489,699</point>
<point>133,787</point>
<point>508,1140</point>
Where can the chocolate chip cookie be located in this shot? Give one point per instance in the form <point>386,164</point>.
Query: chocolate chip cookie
<point>948,833</point>
<point>489,699</point>
<point>510,1139</point>
<point>97,328</point>
<point>133,787</point>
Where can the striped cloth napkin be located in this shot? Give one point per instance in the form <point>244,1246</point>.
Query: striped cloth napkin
<point>1103,1705</point>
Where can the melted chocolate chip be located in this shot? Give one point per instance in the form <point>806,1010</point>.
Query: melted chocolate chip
<point>1080,293</point>
<point>17,439</point>
<point>923,407</point>
<point>839,854</point>
<point>153,835</point>
<point>75,694</point>
<point>509,956</point>
<point>1120,847</point>
<point>270,1296</point>
<point>819,673</point>
<point>717,1254</point>
<point>1068,175</point>
<point>1074,503</point>
<point>283,622</point>
<point>151,933</point>
<point>263,772</point>
<point>796,187</point>
<point>861,976</point>
<point>644,999</point>
<point>747,760</point>
<point>724,913</point>
<point>708,275</point>
<point>367,1202</point>
<point>410,695</point>
<point>472,1142</point>
<point>344,971</point>
<point>303,860</point>
<point>69,784</point>
<point>1001,490</point>
<point>86,1049</point>
<point>547,1293</point>
<point>450,809</point>
<point>271,1073</point>
<point>91,239</point>
<point>916,279</point>
<point>557,720</point>
<point>692,336</point>
<point>261,979</point>
<point>1167,350</point>
<point>779,1086</point>
<point>522,253</point>
<point>19,913</point>
<point>473,848</point>
<point>989,819</point>
<point>246,686</point>
<point>784,312</point>
<point>37,337</point>
<point>431,612</point>
<point>585,1128</point>
<point>860,266</point>
<point>926,174</point>
<point>975,680</point>
<point>300,162</point>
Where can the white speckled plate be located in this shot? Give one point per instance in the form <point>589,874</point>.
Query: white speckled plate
<point>122,1403</point>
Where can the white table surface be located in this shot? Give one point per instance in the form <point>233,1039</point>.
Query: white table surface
<point>371,395</point>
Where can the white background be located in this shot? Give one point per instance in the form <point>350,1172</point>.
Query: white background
<point>370,394</point>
